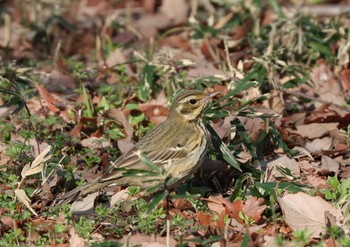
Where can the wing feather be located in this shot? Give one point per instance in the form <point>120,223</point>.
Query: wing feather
<point>131,160</point>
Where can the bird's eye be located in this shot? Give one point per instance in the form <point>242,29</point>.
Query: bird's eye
<point>193,101</point>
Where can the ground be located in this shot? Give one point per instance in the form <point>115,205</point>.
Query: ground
<point>82,81</point>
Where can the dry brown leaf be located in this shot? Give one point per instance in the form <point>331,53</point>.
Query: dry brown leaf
<point>85,204</point>
<point>147,240</point>
<point>8,222</point>
<point>59,81</point>
<point>314,130</point>
<point>326,86</point>
<point>217,203</point>
<point>48,99</point>
<point>204,68</point>
<point>254,126</point>
<point>302,152</point>
<point>253,208</point>
<point>97,237</point>
<point>176,11</point>
<point>4,159</point>
<point>272,172</point>
<point>272,241</point>
<point>205,219</point>
<point>149,25</point>
<point>296,118</point>
<point>329,164</point>
<point>182,203</point>
<point>75,132</point>
<point>119,117</point>
<point>75,240</point>
<point>223,127</point>
<point>155,113</point>
<point>316,181</point>
<point>52,103</point>
<point>222,205</point>
<point>275,102</point>
<point>319,144</point>
<point>345,78</point>
<point>37,147</point>
<point>119,196</point>
<point>37,165</point>
<point>345,172</point>
<point>95,143</point>
<point>117,57</point>
<point>302,211</point>
<point>22,197</point>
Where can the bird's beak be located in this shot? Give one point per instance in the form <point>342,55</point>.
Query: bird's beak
<point>211,95</point>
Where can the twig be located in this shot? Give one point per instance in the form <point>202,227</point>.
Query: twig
<point>167,232</point>
<point>230,67</point>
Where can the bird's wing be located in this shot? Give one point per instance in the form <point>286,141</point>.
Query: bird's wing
<point>131,160</point>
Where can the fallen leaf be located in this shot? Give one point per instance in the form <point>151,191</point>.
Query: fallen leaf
<point>219,204</point>
<point>52,103</point>
<point>95,143</point>
<point>75,132</point>
<point>37,147</point>
<point>8,221</point>
<point>272,170</point>
<point>329,164</point>
<point>155,113</point>
<point>294,119</point>
<point>59,81</point>
<point>75,240</point>
<point>345,78</point>
<point>22,197</point>
<point>176,11</point>
<point>119,196</point>
<point>48,99</point>
<point>275,102</point>
<point>182,203</point>
<point>302,152</point>
<point>316,181</point>
<point>319,144</point>
<point>302,211</point>
<point>37,165</point>
<point>345,172</point>
<point>314,130</point>
<point>203,68</point>
<point>119,117</point>
<point>85,204</point>
<point>223,127</point>
<point>205,219</point>
<point>147,240</point>
<point>326,86</point>
<point>253,208</point>
<point>327,116</point>
<point>117,57</point>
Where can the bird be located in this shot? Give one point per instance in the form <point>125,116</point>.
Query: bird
<point>166,156</point>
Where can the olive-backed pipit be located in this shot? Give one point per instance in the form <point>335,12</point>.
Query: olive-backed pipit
<point>177,146</point>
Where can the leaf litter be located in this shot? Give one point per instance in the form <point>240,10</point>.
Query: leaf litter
<point>209,50</point>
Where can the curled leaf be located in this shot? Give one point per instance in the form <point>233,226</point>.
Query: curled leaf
<point>23,198</point>
<point>37,165</point>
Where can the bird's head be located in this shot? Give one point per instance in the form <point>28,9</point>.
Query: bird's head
<point>190,104</point>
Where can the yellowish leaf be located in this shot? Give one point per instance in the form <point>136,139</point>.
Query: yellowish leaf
<point>37,165</point>
<point>23,198</point>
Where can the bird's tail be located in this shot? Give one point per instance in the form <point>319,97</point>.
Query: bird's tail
<point>81,191</point>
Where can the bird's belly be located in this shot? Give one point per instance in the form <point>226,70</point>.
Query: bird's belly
<point>188,165</point>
